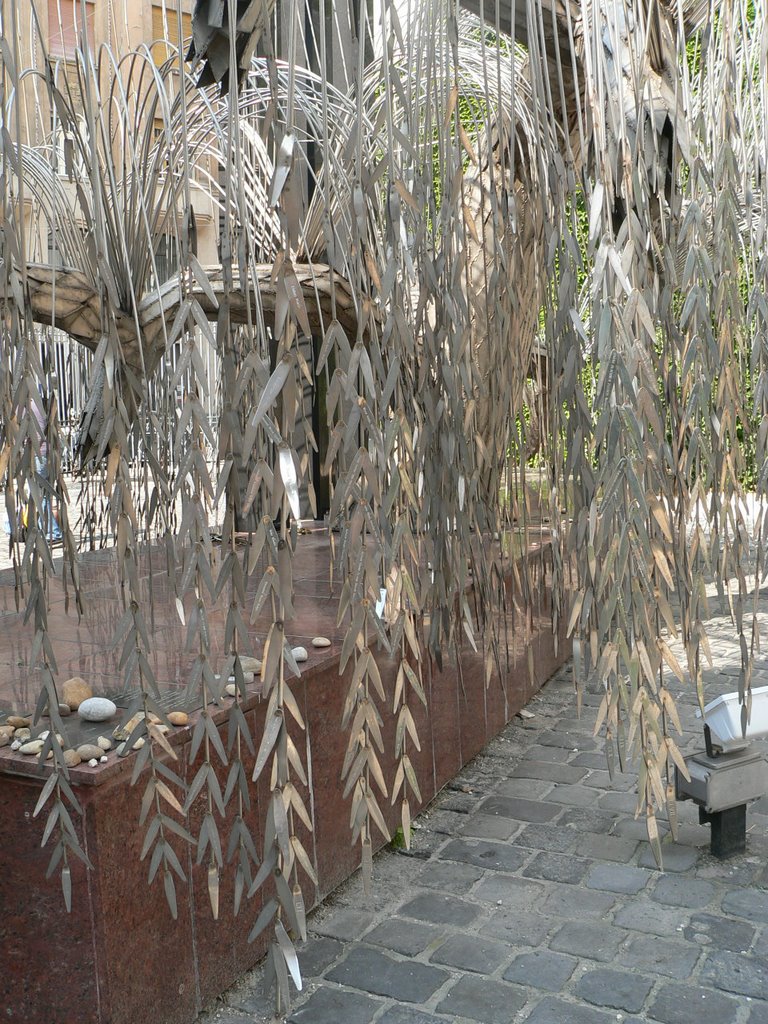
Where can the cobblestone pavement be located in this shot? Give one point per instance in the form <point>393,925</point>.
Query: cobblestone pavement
<point>531,896</point>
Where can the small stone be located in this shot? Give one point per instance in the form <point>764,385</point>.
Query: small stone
<point>32,747</point>
<point>88,751</point>
<point>22,735</point>
<point>72,758</point>
<point>5,739</point>
<point>97,709</point>
<point>178,718</point>
<point>123,750</point>
<point>231,689</point>
<point>93,762</point>
<point>250,665</point>
<point>153,718</point>
<point>7,730</point>
<point>299,653</point>
<point>15,745</point>
<point>103,759</point>
<point>74,691</point>
<point>18,722</point>
<point>64,710</point>
<point>104,742</point>
<point>321,641</point>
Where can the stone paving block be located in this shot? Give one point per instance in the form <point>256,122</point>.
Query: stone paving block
<point>586,819</point>
<point>458,878</point>
<point>761,943</point>
<point>629,828</point>
<point>528,789</point>
<point>578,741</point>
<point>483,853</point>
<point>343,923</point>
<point>541,969</point>
<point>675,857</point>
<point>556,1011</point>
<point>331,1005</point>
<point>644,915</point>
<point>317,953</point>
<point>487,826</point>
<point>471,953</point>
<point>620,990</point>
<point>749,903</point>
<point>491,1002</point>
<point>557,755</point>
<point>626,803</point>
<point>406,937</point>
<point>660,956</point>
<point>407,1015</point>
<point>567,901</point>
<point>735,972</point>
<point>548,771</point>
<point>590,759</point>
<point>719,932</point>
<point>519,929</point>
<point>689,1004</point>
<point>225,1017</point>
<point>602,780</point>
<point>613,848</point>
<point>759,1013</point>
<point>555,867</point>
<point>509,891</point>
<point>618,878</point>
<point>374,971</point>
<point>574,796</point>
<point>459,803</point>
<point>596,941</point>
<point>519,809</point>
<point>440,910</point>
<point>552,838</point>
<point>683,892</point>
<point>443,822</point>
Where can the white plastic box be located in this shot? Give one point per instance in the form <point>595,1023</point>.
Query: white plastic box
<point>723,716</point>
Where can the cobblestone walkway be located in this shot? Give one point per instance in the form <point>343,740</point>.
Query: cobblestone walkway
<point>531,896</point>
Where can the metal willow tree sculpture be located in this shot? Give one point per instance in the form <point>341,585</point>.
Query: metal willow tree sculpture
<point>447,192</point>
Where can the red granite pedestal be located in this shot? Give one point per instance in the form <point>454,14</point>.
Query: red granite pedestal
<point>119,957</point>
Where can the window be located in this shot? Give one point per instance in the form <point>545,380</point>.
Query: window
<point>165,28</point>
<point>68,20</point>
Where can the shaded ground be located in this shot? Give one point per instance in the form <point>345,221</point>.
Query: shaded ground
<point>531,896</point>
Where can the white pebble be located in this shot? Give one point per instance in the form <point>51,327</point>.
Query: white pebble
<point>299,653</point>
<point>97,709</point>
<point>104,759</point>
<point>321,641</point>
<point>93,762</point>
<point>16,745</point>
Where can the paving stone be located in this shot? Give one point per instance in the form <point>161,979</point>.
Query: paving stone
<point>529,789</point>
<point>330,1005</point>
<point>688,1004</point>
<point>660,956</point>
<point>628,828</point>
<point>568,740</point>
<point>567,901</point>
<point>588,939</point>
<point>626,803</point>
<point>443,822</point>
<point>675,857</point>
<point>519,809</point>
<point>552,838</point>
<point>343,923</point>
<point>541,969</point>
<point>735,972</point>
<point>487,826</point>
<point>471,953</point>
<point>613,848</point>
<point>621,990</point>
<point>513,893</point>
<point>556,867</point>
<point>458,878</point>
<point>683,892</point>
<point>374,971</point>
<point>557,755</point>
<point>749,903</point>
<point>485,854</point>
<point>574,796</point>
<point>602,780</point>
<point>719,932</point>
<point>519,929</point>
<point>556,1011</point>
<point>317,953</point>
<point>459,803</point>
<point>589,759</point>
<point>585,819</point>
<point>225,1017</point>
<point>491,1002</point>
<point>618,878</point>
<point>406,937</point>
<point>644,915</point>
<point>759,1014</point>
<point>548,771</point>
<point>440,910</point>
<point>406,1015</point>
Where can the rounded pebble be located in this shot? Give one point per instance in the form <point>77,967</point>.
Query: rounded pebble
<point>230,689</point>
<point>103,759</point>
<point>178,718</point>
<point>104,743</point>
<point>18,722</point>
<point>72,758</point>
<point>93,763</point>
<point>321,641</point>
<point>299,653</point>
<point>22,735</point>
<point>15,745</point>
<point>5,739</point>
<point>74,691</point>
<point>88,751</point>
<point>97,709</point>
<point>65,710</point>
<point>33,747</point>
<point>249,665</point>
